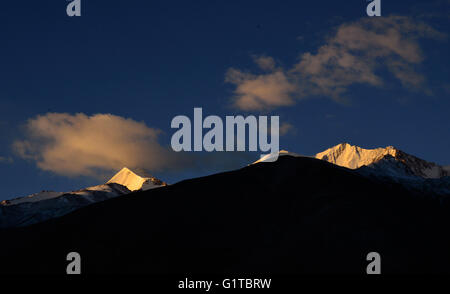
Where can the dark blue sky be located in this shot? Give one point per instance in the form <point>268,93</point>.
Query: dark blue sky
<point>152,60</point>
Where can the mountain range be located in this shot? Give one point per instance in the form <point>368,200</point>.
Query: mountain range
<point>406,165</point>
<point>297,215</point>
<point>355,157</point>
<point>45,205</point>
<point>389,164</point>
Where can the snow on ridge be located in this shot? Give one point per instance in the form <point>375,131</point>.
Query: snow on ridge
<point>135,182</point>
<point>269,157</point>
<point>44,195</point>
<point>125,177</point>
<point>48,204</point>
<point>355,157</point>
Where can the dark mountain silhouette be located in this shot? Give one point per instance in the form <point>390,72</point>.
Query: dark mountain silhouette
<point>294,216</point>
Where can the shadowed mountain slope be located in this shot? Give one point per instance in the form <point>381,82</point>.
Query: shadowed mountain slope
<point>296,215</point>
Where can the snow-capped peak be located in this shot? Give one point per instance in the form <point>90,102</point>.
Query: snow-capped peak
<point>354,157</point>
<point>44,195</point>
<point>389,159</point>
<point>135,182</point>
<point>48,204</point>
<point>270,157</point>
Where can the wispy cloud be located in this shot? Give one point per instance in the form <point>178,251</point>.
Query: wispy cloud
<point>286,128</point>
<point>78,144</point>
<point>265,62</point>
<point>353,54</point>
<point>262,91</point>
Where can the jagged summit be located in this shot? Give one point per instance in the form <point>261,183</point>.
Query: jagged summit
<point>389,159</point>
<point>355,157</point>
<point>135,182</point>
<point>45,205</point>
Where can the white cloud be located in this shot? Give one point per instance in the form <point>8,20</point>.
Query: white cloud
<point>78,144</point>
<point>261,91</point>
<point>352,55</point>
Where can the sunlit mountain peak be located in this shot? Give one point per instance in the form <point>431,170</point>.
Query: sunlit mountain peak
<point>134,182</point>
